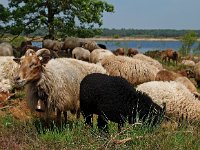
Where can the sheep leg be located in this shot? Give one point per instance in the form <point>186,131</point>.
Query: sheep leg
<point>58,118</point>
<point>65,116</point>
<point>102,123</point>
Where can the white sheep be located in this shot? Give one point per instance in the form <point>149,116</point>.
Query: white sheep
<point>8,69</point>
<point>134,70</point>
<point>81,54</point>
<point>98,55</point>
<point>57,82</point>
<point>180,102</point>
<point>148,59</point>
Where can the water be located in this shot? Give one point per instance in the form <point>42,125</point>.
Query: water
<point>142,46</point>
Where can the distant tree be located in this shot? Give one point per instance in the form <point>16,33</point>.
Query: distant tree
<point>63,17</point>
<point>187,42</point>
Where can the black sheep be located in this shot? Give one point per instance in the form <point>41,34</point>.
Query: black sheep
<point>114,98</point>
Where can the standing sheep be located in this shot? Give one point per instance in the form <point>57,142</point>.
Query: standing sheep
<point>81,54</point>
<point>55,82</point>
<point>180,102</point>
<point>114,99</point>
<point>134,70</point>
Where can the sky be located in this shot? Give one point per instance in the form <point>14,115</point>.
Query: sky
<point>152,14</point>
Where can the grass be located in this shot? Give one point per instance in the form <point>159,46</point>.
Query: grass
<point>15,134</point>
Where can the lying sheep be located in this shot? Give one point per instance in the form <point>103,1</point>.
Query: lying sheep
<point>81,54</point>
<point>134,70</point>
<point>180,102</point>
<point>99,54</point>
<point>55,82</point>
<point>148,59</point>
<point>114,99</point>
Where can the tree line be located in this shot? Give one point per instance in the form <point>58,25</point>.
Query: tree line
<point>152,33</point>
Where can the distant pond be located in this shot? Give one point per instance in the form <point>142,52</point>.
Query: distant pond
<point>142,46</point>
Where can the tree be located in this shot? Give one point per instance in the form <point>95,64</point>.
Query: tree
<point>187,42</point>
<point>61,17</point>
<point>5,16</point>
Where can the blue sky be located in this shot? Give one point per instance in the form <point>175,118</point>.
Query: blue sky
<point>152,14</point>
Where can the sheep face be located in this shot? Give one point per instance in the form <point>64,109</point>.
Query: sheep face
<point>29,71</point>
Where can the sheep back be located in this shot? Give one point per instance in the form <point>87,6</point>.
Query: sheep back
<point>134,70</point>
<point>115,99</point>
<point>180,102</point>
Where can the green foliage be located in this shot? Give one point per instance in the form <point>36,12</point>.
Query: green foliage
<point>64,16</point>
<point>17,41</point>
<point>187,42</point>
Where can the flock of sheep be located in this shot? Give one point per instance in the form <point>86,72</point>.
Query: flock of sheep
<point>95,80</point>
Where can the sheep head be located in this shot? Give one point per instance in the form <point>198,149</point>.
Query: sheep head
<point>30,66</point>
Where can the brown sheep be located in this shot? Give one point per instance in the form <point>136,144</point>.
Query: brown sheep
<point>119,51</point>
<point>132,52</point>
<point>169,54</point>
<point>166,75</point>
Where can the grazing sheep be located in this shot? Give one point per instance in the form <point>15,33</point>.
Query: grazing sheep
<point>114,99</point>
<point>148,59</point>
<point>55,82</point>
<point>132,52</point>
<point>119,51</point>
<point>167,75</point>
<point>134,70</point>
<point>180,102</point>
<point>81,54</point>
<point>91,45</point>
<point>6,49</point>
<point>98,55</point>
